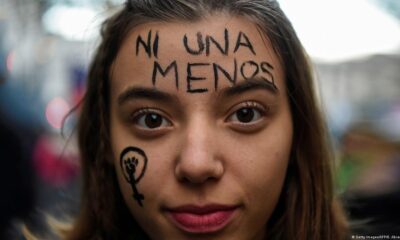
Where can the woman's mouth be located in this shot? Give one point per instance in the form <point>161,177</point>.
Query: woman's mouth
<point>201,219</point>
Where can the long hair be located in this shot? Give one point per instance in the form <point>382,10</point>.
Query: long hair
<point>307,208</point>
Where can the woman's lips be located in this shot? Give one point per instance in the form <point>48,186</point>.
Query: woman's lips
<point>201,219</point>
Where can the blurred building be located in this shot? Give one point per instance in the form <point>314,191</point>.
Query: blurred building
<point>365,90</point>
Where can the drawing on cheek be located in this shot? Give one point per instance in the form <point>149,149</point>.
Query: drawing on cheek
<point>133,162</point>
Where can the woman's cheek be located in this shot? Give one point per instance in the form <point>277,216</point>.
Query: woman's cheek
<point>150,170</point>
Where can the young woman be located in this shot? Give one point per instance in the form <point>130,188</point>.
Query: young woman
<point>200,122</point>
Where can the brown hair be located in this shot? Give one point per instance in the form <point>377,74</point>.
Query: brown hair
<point>307,208</point>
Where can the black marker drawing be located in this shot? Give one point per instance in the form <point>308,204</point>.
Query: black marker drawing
<point>190,78</point>
<point>267,68</point>
<point>231,79</point>
<point>133,162</point>
<point>155,45</point>
<point>204,43</point>
<point>157,68</point>
<point>255,71</point>
<point>147,45</point>
<point>200,44</point>
<point>246,43</point>
<point>248,70</point>
<point>222,50</point>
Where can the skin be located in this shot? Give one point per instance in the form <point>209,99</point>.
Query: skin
<point>201,153</point>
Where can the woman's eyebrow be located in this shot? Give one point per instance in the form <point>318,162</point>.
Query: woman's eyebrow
<point>134,93</point>
<point>249,85</point>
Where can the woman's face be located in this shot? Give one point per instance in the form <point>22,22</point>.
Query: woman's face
<point>201,129</point>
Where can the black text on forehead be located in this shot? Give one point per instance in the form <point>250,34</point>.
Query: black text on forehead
<point>199,43</point>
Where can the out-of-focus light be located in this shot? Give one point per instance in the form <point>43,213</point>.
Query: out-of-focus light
<point>339,30</point>
<point>72,23</point>
<point>56,110</point>
<point>10,61</point>
<point>56,167</point>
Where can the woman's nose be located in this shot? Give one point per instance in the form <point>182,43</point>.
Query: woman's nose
<point>198,160</point>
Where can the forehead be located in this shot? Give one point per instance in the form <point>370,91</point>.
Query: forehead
<point>168,55</point>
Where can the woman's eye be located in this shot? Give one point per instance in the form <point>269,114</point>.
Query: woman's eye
<point>151,120</point>
<point>245,115</point>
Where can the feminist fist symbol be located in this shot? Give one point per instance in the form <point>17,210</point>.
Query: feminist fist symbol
<point>133,163</point>
<point>130,164</point>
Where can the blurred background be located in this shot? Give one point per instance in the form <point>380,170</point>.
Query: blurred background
<point>45,49</point>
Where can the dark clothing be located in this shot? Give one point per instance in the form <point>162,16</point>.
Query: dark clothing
<point>16,177</point>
